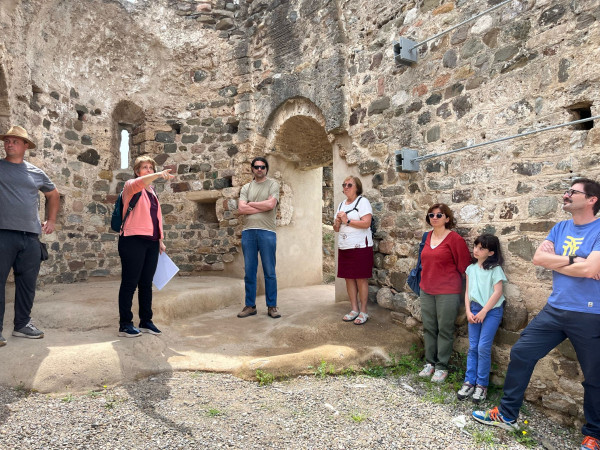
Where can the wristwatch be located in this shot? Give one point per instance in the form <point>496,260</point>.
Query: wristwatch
<point>571,259</point>
<point>348,223</point>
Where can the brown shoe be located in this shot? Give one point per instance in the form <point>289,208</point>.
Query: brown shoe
<point>273,312</point>
<point>248,311</point>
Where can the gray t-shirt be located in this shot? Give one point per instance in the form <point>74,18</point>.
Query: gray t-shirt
<point>258,192</point>
<point>19,197</point>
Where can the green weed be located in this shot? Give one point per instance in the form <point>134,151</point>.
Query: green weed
<point>67,398</point>
<point>483,437</point>
<point>374,370</point>
<point>324,369</point>
<point>213,412</point>
<point>524,436</point>
<point>358,417</point>
<point>264,378</point>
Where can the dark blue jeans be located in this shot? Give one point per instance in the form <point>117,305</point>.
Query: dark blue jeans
<point>481,338</point>
<point>20,251</point>
<point>265,243</point>
<point>139,258</point>
<point>548,329</point>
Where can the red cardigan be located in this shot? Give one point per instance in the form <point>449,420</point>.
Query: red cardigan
<point>444,266</point>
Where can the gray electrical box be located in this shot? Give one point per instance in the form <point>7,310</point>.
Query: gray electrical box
<point>405,51</point>
<point>405,160</point>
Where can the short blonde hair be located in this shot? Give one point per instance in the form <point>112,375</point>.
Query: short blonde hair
<point>141,160</point>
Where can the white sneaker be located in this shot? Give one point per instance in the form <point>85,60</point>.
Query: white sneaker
<point>480,394</point>
<point>427,371</point>
<point>439,376</point>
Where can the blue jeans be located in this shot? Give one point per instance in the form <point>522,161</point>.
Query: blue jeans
<point>481,337</point>
<point>20,251</point>
<point>263,242</point>
<point>548,329</point>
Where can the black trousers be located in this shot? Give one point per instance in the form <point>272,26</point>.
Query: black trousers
<point>20,251</point>
<point>139,257</point>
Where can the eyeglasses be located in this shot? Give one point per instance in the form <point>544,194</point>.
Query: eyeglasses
<point>438,215</point>
<point>260,167</point>
<point>347,185</point>
<point>570,192</point>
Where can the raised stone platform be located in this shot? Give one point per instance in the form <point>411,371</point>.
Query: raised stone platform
<point>81,349</point>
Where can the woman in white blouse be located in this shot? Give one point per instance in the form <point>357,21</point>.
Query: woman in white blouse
<point>355,247</point>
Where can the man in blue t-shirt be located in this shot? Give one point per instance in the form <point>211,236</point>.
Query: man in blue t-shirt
<point>572,252</point>
<point>20,227</point>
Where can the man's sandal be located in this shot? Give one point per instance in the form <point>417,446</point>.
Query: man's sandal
<point>362,318</point>
<point>350,316</point>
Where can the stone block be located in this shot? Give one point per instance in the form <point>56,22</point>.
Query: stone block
<point>542,206</point>
<point>522,247</point>
<point>515,316</point>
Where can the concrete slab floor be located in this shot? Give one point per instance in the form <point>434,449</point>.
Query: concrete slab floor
<point>197,315</point>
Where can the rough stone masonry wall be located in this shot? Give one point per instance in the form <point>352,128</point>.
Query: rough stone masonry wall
<point>527,65</point>
<point>199,84</point>
<point>164,73</point>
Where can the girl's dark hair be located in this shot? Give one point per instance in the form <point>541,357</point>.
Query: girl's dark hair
<point>491,243</point>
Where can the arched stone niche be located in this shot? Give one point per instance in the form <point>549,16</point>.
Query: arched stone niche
<point>297,147</point>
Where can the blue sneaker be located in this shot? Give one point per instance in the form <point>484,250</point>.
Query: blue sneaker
<point>149,327</point>
<point>128,330</point>
<point>493,417</point>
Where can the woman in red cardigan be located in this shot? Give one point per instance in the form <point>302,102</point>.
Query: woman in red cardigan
<point>444,260</point>
<point>139,245</point>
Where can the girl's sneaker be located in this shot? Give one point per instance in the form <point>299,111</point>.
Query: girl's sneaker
<point>465,391</point>
<point>427,371</point>
<point>480,393</point>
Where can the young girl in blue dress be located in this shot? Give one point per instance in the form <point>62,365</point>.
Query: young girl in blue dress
<point>484,304</point>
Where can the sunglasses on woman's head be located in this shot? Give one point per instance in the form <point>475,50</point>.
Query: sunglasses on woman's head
<point>438,215</point>
<point>345,185</point>
<point>260,167</point>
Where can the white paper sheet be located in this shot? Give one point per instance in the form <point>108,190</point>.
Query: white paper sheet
<point>165,270</point>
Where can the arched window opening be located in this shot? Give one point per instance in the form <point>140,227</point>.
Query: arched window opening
<point>124,148</point>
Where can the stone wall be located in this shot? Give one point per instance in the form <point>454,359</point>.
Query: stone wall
<point>204,86</point>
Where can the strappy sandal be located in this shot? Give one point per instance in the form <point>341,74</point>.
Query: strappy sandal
<point>361,319</point>
<point>350,316</point>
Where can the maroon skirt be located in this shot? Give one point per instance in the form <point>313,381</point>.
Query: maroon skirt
<point>355,263</point>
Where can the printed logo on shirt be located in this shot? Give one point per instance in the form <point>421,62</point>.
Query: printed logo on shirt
<point>571,245</point>
<point>590,304</point>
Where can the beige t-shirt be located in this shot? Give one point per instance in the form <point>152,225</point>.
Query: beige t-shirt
<point>258,192</point>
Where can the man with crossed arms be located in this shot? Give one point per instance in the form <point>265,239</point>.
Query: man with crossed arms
<point>572,252</point>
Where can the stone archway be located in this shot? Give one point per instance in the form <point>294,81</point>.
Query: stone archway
<point>298,147</point>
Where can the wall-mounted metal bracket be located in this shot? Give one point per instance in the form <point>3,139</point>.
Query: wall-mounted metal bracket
<point>406,160</point>
<point>405,51</point>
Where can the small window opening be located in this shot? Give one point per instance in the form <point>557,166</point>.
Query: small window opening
<point>582,111</point>
<point>124,148</point>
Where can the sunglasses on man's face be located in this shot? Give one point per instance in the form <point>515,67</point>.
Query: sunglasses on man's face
<point>347,185</point>
<point>438,215</point>
<point>259,167</point>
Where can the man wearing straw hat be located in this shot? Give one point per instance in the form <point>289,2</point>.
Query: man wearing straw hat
<point>20,227</point>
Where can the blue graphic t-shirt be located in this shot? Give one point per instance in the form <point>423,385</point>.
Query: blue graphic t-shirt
<point>575,293</point>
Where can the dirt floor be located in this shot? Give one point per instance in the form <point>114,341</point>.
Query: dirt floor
<point>81,349</point>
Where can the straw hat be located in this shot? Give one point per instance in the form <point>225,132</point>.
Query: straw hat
<point>19,132</point>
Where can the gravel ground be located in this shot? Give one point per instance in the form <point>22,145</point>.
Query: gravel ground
<point>204,410</point>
